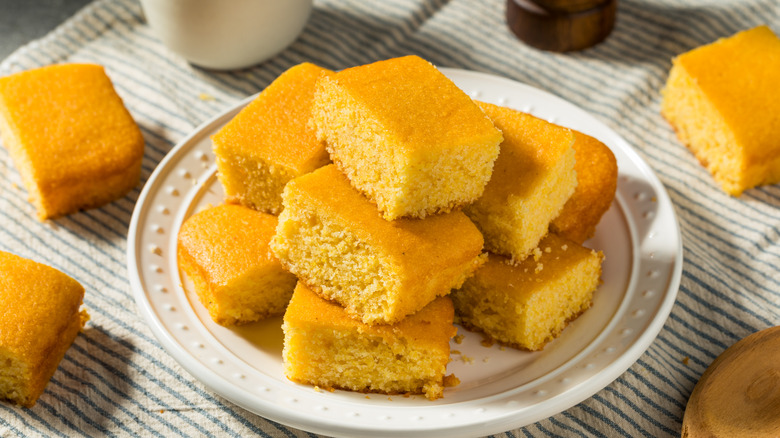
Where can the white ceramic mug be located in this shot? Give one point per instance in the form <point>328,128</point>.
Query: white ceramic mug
<point>227,34</point>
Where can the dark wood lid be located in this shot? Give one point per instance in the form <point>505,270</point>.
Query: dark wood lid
<point>561,25</point>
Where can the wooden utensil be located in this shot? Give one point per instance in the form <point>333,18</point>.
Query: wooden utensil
<point>739,394</point>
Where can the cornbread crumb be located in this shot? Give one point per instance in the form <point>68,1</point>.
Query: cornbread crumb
<point>450,380</point>
<point>721,101</point>
<point>324,346</point>
<point>459,339</point>
<point>532,179</point>
<point>224,250</point>
<point>336,242</point>
<point>40,318</point>
<point>70,136</point>
<point>406,136</point>
<point>542,303</point>
<point>269,142</point>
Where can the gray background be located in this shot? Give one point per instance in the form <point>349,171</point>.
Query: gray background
<point>24,20</point>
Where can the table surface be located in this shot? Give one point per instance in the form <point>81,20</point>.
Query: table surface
<point>22,21</point>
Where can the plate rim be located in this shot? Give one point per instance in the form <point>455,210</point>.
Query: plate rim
<point>283,415</point>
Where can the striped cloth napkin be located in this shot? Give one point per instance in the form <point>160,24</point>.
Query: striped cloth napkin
<point>117,380</point>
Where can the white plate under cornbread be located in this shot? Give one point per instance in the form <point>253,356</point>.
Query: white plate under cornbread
<point>500,388</point>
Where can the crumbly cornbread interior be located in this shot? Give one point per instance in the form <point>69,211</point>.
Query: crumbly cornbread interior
<point>720,99</point>
<point>326,347</point>
<point>529,304</point>
<point>336,242</point>
<point>416,145</point>
<point>532,179</point>
<point>269,142</point>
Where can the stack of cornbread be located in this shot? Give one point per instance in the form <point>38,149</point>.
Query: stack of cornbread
<point>422,181</point>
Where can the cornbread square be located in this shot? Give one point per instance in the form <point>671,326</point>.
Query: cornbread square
<point>597,173</point>
<point>533,178</point>
<point>721,99</point>
<point>40,316</point>
<point>405,136</point>
<point>224,251</point>
<point>529,304</point>
<point>270,142</point>
<point>324,346</point>
<point>337,243</point>
<point>70,136</point>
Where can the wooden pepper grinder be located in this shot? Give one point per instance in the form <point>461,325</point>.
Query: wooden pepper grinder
<point>561,25</point>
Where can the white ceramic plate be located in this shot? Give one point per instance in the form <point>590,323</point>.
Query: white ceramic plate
<point>500,388</point>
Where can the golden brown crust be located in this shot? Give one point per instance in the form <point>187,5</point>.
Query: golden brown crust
<point>405,136</point>
<point>54,356</point>
<point>274,127</point>
<point>532,179</point>
<point>528,304</point>
<point>490,340</point>
<point>70,136</point>
<point>597,173</point>
<point>270,142</point>
<point>719,99</point>
<point>325,347</point>
<point>225,251</point>
<point>404,263</point>
<point>39,320</point>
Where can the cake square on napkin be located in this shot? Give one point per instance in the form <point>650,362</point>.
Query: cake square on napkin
<point>70,136</point>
